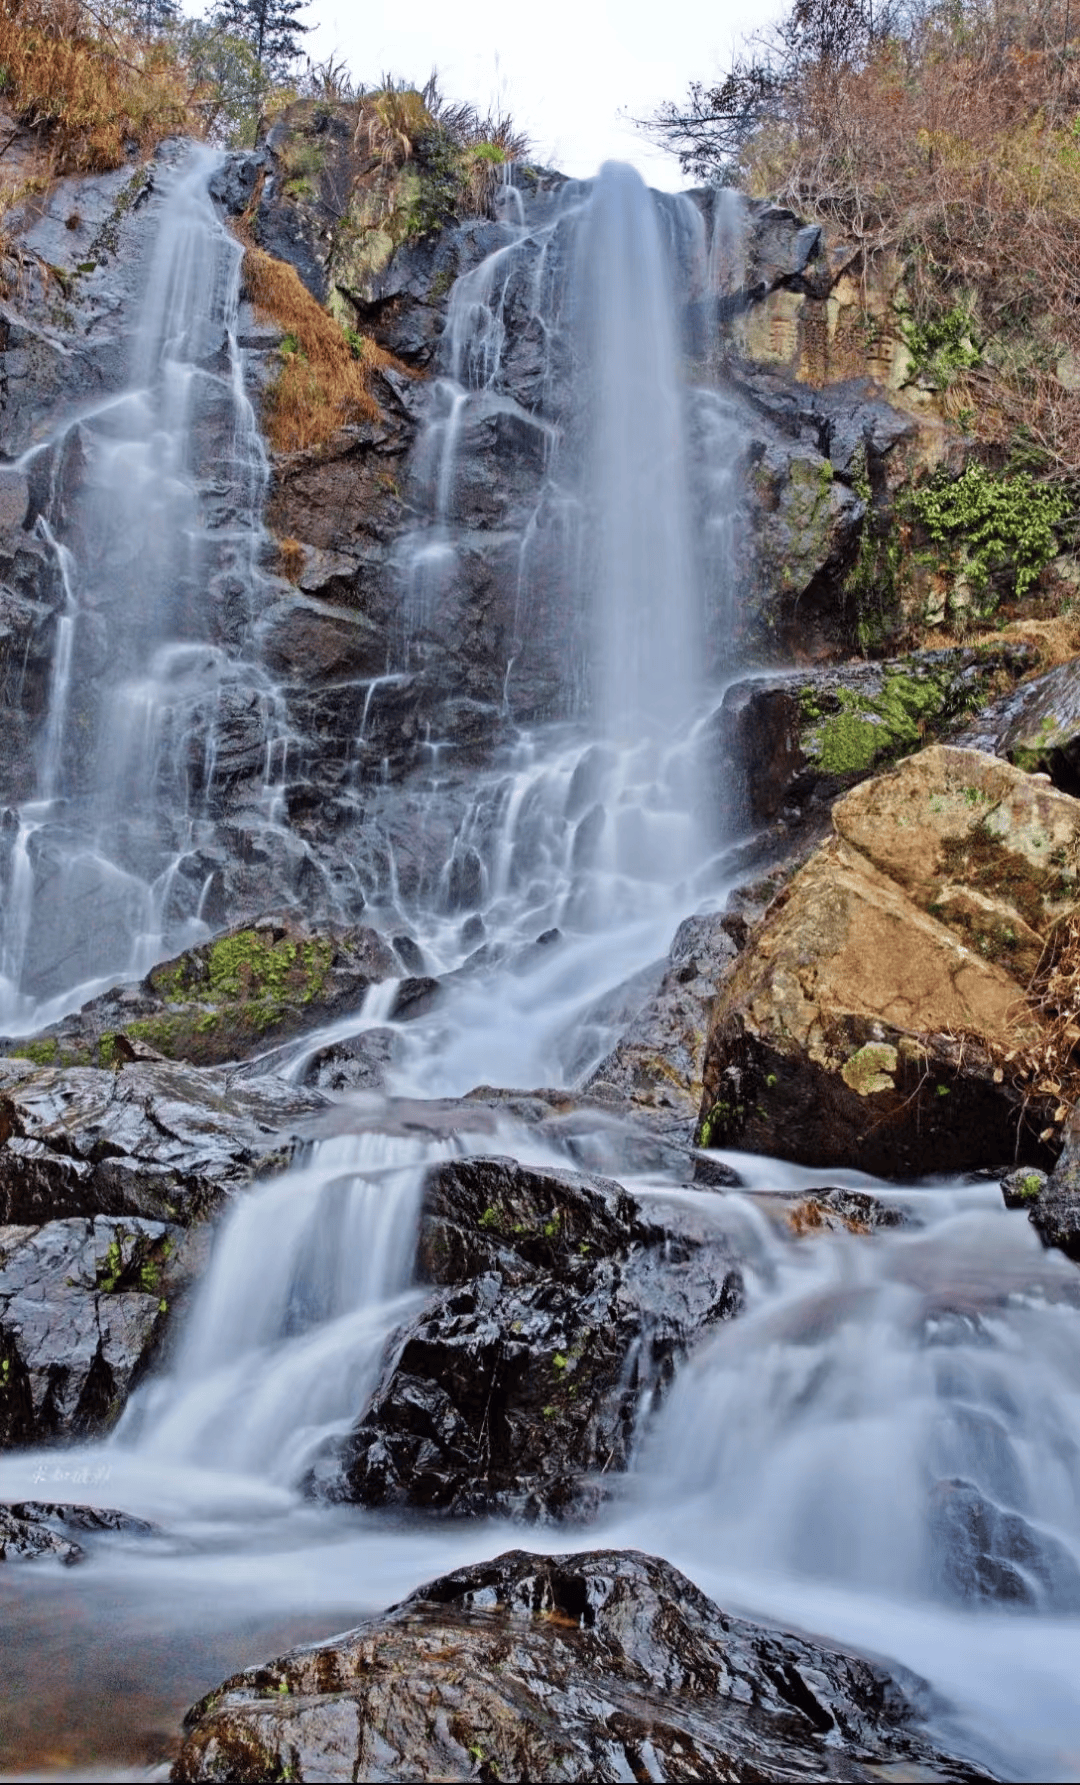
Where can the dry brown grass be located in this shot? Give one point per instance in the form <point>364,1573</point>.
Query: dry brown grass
<point>291,556</point>
<point>324,381</point>
<point>1054,641</point>
<point>95,95</point>
<point>1050,1067</point>
<point>392,123</point>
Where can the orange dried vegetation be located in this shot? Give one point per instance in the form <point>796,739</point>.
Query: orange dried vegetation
<point>324,381</point>
<point>92,92</point>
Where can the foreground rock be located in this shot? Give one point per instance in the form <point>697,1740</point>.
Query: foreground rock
<point>869,1015</point>
<point>562,1315</point>
<point>607,1665</point>
<point>106,1182</point>
<point>247,991</point>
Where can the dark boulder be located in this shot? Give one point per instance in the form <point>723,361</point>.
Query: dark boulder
<point>83,1309</point>
<point>153,1140</point>
<point>1054,1212</point>
<point>106,1181</point>
<point>1021,1188</point>
<point>562,1317</point>
<point>30,1529</point>
<point>359,1064</point>
<point>608,1665</point>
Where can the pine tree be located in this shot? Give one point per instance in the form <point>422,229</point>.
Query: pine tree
<point>152,16</point>
<point>271,27</point>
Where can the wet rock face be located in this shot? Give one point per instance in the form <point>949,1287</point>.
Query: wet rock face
<point>1036,726</point>
<point>106,1180</point>
<point>607,1665</point>
<point>658,1063</point>
<point>985,1554</point>
<point>1054,1205</point>
<point>249,989</point>
<point>83,1305</point>
<point>153,1140</point>
<point>837,1039</point>
<point>562,1316</point>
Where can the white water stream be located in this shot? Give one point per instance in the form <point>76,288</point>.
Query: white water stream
<point>816,1458</point>
<point>158,562</point>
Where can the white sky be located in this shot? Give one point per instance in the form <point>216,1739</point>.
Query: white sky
<point>564,69</point>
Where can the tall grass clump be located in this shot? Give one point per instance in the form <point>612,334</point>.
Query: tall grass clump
<point>324,380</point>
<point>459,150</point>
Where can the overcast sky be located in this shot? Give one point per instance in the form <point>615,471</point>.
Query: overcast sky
<point>564,69</point>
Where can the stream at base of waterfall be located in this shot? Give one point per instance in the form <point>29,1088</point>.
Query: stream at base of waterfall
<point>795,1467</point>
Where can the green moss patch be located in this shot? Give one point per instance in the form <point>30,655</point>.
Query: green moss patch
<point>866,730</point>
<point>251,975</point>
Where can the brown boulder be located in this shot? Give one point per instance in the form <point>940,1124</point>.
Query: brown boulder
<point>597,1666</point>
<point>990,851</point>
<point>870,1015</point>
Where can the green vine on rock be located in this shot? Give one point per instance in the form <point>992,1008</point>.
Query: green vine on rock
<point>988,524</point>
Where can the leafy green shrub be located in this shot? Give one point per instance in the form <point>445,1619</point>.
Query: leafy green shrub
<point>993,523</point>
<point>942,346</point>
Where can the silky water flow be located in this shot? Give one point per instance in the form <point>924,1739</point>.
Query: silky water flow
<point>820,1461</point>
<point>157,557</point>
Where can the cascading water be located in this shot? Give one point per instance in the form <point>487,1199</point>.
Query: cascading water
<point>890,1409</point>
<point>158,563</point>
<point>646,649</point>
<point>623,553</point>
<point>309,1278</point>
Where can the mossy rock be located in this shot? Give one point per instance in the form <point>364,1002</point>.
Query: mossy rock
<point>257,985</point>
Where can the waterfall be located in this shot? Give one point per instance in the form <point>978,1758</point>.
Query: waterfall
<point>284,1341</point>
<point>158,551</point>
<point>645,603</point>
<point>608,574</point>
<point>567,342</point>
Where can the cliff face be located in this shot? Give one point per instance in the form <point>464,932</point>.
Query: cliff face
<point>365,655</point>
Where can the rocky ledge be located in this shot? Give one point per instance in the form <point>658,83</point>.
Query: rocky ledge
<point>252,988</point>
<point>558,1315</point>
<point>107,1180</point>
<point>30,1529</point>
<point>608,1665</point>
